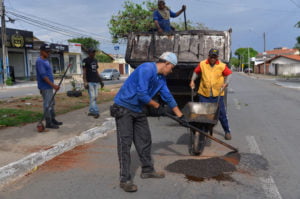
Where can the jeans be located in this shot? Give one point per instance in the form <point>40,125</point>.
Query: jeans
<point>48,112</point>
<point>133,127</point>
<point>223,115</point>
<point>93,93</point>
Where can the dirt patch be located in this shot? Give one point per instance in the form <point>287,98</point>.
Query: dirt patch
<point>201,169</point>
<point>62,102</point>
<point>74,158</point>
<point>34,104</point>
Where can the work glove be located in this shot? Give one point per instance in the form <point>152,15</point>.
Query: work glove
<point>86,86</point>
<point>160,111</point>
<point>101,84</point>
<point>183,121</point>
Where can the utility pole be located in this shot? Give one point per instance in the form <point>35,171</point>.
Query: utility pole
<point>3,39</point>
<point>248,62</point>
<point>264,54</point>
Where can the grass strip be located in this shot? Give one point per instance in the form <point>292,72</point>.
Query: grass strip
<point>16,117</point>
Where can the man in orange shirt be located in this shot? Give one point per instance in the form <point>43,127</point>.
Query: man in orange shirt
<point>214,76</point>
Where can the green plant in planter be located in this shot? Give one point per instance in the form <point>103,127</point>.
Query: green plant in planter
<point>73,84</point>
<point>9,81</point>
<point>74,92</point>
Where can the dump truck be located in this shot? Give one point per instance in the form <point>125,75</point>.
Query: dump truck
<point>190,46</point>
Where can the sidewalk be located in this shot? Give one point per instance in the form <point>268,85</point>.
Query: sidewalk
<point>27,83</point>
<point>23,149</point>
<point>283,82</point>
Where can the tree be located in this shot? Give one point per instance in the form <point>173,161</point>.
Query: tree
<point>86,42</point>
<point>138,18</point>
<point>242,54</point>
<point>297,45</point>
<point>297,24</point>
<point>134,18</point>
<point>234,62</point>
<point>190,25</point>
<point>101,57</point>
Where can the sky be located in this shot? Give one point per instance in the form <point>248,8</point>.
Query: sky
<point>249,19</point>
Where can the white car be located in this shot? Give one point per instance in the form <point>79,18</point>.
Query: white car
<point>110,74</point>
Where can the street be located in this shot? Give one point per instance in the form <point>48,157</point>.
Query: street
<point>264,120</point>
<point>32,89</point>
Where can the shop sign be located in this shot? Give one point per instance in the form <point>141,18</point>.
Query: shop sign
<point>18,38</point>
<point>74,48</point>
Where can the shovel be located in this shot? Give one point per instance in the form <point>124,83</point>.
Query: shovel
<point>232,157</point>
<point>203,133</point>
<point>40,126</point>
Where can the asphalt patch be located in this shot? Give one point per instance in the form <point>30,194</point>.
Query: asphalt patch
<point>202,169</point>
<point>255,162</point>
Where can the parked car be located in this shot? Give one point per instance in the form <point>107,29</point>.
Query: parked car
<point>250,70</point>
<point>110,74</point>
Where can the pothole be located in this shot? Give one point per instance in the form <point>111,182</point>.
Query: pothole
<point>204,169</point>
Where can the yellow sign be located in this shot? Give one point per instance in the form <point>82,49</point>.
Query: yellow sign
<point>243,65</point>
<point>17,40</point>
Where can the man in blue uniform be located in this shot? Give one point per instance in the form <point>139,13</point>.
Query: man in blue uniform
<point>132,124</point>
<point>45,80</point>
<point>162,15</point>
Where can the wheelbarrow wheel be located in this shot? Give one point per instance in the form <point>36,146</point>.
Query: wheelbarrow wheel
<point>197,143</point>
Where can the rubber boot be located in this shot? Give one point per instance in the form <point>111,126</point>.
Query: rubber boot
<point>50,124</point>
<point>54,121</point>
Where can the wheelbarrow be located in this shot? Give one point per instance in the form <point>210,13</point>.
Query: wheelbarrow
<point>202,117</point>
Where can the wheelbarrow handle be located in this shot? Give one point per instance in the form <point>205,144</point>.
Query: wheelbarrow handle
<point>202,132</point>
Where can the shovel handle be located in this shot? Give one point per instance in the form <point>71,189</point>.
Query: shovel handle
<point>185,25</point>
<point>203,133</point>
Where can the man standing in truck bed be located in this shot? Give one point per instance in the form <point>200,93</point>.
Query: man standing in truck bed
<point>162,15</point>
<point>214,77</point>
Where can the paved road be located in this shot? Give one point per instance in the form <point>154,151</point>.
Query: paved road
<point>264,120</point>
<point>32,90</point>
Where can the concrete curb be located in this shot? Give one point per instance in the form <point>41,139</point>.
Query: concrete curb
<point>287,86</point>
<point>18,169</point>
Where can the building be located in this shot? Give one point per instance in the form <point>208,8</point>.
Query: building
<point>262,60</point>
<point>18,43</point>
<point>287,65</point>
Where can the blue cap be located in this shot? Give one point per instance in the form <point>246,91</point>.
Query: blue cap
<point>170,57</point>
<point>213,51</point>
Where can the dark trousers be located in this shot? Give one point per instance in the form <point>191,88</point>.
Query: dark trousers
<point>133,127</point>
<point>223,115</point>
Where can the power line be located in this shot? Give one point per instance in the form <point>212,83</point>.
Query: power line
<point>217,3</point>
<point>61,30</point>
<point>295,3</point>
<point>62,25</point>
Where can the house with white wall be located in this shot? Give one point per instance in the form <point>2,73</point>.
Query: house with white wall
<point>285,65</point>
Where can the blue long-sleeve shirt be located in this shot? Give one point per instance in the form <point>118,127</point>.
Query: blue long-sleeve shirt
<point>163,23</point>
<point>43,69</point>
<point>141,86</point>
